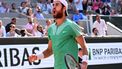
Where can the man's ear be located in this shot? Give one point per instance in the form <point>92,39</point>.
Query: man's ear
<point>64,9</point>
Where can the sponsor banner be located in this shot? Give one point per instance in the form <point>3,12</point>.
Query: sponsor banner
<point>16,56</point>
<point>104,53</point>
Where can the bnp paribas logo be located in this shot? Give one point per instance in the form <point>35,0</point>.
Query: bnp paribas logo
<point>89,53</point>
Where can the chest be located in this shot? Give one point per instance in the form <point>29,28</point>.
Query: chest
<point>99,25</point>
<point>61,32</point>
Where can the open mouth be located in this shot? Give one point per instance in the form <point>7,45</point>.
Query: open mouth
<point>54,11</point>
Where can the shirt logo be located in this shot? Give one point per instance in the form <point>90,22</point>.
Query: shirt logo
<point>64,31</point>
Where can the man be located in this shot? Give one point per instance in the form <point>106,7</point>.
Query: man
<point>78,16</point>
<point>12,32</point>
<point>2,30</point>
<point>63,35</point>
<point>13,21</point>
<point>79,5</point>
<point>100,26</point>
<point>48,23</point>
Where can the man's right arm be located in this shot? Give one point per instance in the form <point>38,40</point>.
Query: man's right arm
<point>46,53</point>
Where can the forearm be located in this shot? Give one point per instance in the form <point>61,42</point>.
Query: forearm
<point>44,54</point>
<point>47,53</point>
<point>82,43</point>
<point>85,52</point>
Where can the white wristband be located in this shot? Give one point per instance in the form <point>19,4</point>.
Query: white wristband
<point>40,56</point>
<point>85,58</point>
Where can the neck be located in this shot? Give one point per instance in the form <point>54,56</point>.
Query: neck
<point>60,20</point>
<point>98,20</point>
<point>11,31</point>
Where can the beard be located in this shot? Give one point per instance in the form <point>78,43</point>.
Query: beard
<point>58,15</point>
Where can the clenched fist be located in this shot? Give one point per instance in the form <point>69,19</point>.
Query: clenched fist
<point>32,58</point>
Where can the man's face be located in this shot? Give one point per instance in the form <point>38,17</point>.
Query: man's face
<point>13,27</point>
<point>98,18</point>
<point>48,22</point>
<point>57,10</point>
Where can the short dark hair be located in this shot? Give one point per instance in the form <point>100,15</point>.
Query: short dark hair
<point>13,19</point>
<point>97,15</point>
<point>93,29</point>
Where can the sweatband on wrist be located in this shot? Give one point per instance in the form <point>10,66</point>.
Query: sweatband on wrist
<point>40,56</point>
<point>85,58</point>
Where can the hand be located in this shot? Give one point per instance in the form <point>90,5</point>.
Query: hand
<point>32,58</point>
<point>84,65</point>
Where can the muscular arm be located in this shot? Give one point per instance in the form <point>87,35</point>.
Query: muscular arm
<point>82,42</point>
<point>48,52</point>
<point>45,54</point>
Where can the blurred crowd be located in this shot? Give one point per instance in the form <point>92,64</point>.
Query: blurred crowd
<point>30,29</point>
<point>79,9</point>
<point>33,13</point>
<point>105,7</point>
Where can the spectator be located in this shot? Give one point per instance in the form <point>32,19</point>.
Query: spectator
<point>106,11</point>
<point>28,2</point>
<point>113,12</point>
<point>29,26</point>
<point>95,6</point>
<point>48,23</point>
<point>23,8</point>
<point>43,5</point>
<point>13,21</point>
<point>13,8</point>
<point>89,7</point>
<point>94,32</point>
<point>106,6</point>
<point>12,32</point>
<point>114,4</point>
<point>2,30</point>
<point>100,25</point>
<point>106,1</point>
<point>49,6</point>
<point>38,31</point>
<point>71,6</point>
<point>120,7</point>
<point>79,5</point>
<point>85,5</point>
<point>30,13</point>
<point>38,13</point>
<point>24,33</point>
<point>4,7</point>
<point>78,16</point>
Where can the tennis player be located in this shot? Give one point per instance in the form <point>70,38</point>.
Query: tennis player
<point>63,36</point>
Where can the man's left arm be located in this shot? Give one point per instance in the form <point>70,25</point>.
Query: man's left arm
<point>82,43</point>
